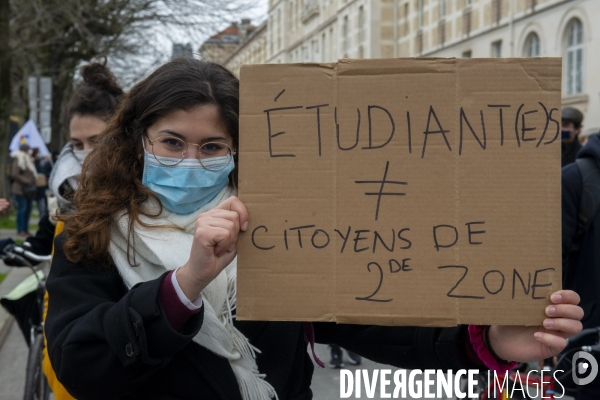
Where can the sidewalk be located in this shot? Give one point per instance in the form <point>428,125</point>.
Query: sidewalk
<point>12,233</point>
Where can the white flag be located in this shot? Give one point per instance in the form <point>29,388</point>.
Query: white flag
<point>29,134</point>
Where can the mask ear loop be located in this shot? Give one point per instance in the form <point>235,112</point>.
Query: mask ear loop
<point>144,147</point>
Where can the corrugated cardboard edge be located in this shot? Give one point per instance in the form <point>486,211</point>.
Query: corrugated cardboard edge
<point>400,320</point>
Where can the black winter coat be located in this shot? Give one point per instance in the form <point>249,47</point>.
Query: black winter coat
<point>569,151</point>
<point>581,270</point>
<point>106,342</point>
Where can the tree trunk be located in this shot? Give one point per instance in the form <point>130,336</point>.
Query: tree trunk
<point>60,90</point>
<point>5,93</point>
<point>61,71</point>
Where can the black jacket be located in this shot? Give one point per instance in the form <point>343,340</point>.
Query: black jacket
<point>41,242</point>
<point>106,342</point>
<point>581,270</point>
<point>569,151</point>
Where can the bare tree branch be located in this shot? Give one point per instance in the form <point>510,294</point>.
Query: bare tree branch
<point>56,36</point>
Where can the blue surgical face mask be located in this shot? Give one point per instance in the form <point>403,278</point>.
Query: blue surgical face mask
<point>187,186</point>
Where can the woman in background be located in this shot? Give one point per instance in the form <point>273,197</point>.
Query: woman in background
<point>43,169</point>
<point>86,115</point>
<point>23,187</point>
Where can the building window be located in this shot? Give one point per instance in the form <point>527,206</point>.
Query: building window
<point>574,57</point>
<point>496,10</point>
<point>361,24</point>
<point>442,32</point>
<point>419,42</point>
<point>324,57</point>
<point>497,49</point>
<point>406,20</point>
<point>345,45</point>
<point>421,12</point>
<point>279,29</point>
<point>532,4</point>
<point>292,15</point>
<point>332,46</point>
<point>443,8</point>
<point>467,54</point>
<point>532,45</point>
<point>467,21</point>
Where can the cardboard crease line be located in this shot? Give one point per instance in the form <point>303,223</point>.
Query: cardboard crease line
<point>335,197</point>
<point>456,185</point>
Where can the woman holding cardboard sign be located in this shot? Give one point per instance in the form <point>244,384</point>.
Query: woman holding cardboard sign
<point>143,280</point>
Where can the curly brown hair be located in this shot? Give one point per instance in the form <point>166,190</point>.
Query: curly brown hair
<point>111,178</point>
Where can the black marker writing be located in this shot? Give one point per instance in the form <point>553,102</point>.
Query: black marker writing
<point>381,192</point>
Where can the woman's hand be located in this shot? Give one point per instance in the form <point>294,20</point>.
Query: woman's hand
<point>530,343</point>
<point>214,245</point>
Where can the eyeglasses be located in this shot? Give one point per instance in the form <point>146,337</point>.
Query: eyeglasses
<point>170,150</point>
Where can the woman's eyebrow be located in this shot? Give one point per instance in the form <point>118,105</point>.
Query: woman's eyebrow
<point>204,140</point>
<point>212,139</point>
<point>170,132</point>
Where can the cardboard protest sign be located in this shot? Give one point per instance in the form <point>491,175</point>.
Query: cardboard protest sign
<point>400,192</point>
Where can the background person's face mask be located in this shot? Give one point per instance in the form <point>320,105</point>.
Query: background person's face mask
<point>187,186</point>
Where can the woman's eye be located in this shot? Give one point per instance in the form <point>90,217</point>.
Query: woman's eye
<point>172,142</point>
<point>212,147</point>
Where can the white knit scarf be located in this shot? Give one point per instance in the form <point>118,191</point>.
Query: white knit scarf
<point>24,161</point>
<point>158,250</point>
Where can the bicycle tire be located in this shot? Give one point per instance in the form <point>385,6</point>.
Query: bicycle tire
<point>36,385</point>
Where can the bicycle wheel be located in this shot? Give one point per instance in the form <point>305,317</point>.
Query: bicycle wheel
<point>36,386</point>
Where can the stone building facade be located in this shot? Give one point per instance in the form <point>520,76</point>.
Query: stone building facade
<point>327,30</point>
<point>251,51</point>
<point>219,46</point>
<point>511,28</point>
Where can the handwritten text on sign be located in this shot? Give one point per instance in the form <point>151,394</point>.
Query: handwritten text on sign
<point>419,192</point>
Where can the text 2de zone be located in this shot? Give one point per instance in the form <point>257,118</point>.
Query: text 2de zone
<point>513,123</point>
<point>443,237</point>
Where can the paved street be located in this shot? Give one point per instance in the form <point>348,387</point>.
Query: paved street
<point>13,360</point>
<point>326,381</point>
